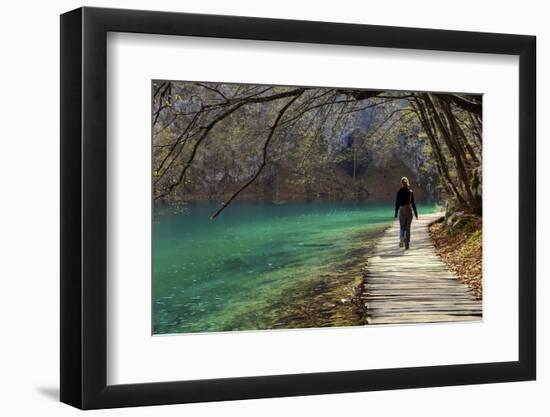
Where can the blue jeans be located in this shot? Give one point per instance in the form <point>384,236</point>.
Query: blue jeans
<point>405,220</point>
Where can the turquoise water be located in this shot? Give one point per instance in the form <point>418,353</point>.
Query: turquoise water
<point>239,271</point>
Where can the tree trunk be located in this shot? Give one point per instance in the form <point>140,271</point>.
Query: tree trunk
<point>440,159</point>
<point>454,150</point>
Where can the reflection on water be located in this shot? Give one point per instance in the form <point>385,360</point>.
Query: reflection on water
<point>255,263</point>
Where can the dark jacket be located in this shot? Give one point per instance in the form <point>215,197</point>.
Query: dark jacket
<point>404,197</point>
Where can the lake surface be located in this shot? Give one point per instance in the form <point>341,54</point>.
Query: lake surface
<point>255,263</point>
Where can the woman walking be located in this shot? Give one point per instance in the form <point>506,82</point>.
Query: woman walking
<point>404,204</point>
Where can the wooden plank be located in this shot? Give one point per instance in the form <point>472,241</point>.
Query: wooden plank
<point>414,286</point>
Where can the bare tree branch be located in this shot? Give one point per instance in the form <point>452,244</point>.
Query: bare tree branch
<point>264,156</point>
<point>208,128</point>
<point>465,104</point>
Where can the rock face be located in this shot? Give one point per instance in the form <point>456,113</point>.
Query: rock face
<point>341,169</point>
<point>279,184</point>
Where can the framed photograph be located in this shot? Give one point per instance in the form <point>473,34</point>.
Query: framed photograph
<point>257,208</point>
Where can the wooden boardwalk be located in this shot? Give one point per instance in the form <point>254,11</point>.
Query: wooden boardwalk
<point>414,286</point>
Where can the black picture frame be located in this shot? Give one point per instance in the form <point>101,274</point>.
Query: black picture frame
<point>84,207</point>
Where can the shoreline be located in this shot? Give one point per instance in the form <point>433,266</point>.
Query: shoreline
<point>300,267</point>
<point>330,298</point>
<point>335,300</point>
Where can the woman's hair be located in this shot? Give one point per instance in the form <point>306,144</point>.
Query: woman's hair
<point>405,180</point>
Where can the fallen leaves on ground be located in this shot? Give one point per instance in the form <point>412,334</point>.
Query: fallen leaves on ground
<point>462,252</point>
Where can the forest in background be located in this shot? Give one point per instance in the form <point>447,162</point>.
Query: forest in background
<point>223,142</point>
